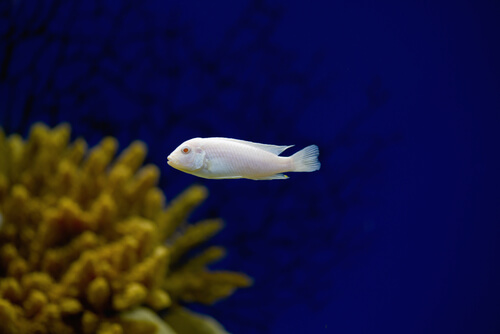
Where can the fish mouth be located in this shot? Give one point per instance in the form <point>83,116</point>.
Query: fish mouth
<point>172,162</point>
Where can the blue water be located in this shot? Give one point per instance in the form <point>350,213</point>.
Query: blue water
<point>397,233</point>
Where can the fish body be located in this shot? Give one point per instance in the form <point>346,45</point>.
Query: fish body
<point>227,158</point>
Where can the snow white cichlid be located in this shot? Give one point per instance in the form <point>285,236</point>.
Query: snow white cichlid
<point>227,158</point>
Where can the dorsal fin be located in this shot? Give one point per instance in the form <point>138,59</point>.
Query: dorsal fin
<point>275,149</point>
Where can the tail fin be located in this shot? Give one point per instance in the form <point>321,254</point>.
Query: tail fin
<point>306,160</point>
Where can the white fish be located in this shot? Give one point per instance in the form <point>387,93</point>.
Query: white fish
<point>227,158</point>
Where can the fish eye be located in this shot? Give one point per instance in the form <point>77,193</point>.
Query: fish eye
<point>186,149</point>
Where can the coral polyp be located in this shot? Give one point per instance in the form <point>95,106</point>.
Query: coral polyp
<point>83,240</point>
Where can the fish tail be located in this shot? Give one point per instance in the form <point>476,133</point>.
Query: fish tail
<point>306,160</point>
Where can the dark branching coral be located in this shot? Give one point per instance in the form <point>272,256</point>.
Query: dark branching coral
<point>82,241</point>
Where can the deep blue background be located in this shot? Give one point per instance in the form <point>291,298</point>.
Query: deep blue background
<point>397,233</point>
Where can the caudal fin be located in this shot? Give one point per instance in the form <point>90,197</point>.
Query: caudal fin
<point>306,160</point>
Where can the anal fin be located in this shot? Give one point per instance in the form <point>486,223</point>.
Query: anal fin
<point>272,177</point>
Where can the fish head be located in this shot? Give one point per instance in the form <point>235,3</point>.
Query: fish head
<point>188,156</point>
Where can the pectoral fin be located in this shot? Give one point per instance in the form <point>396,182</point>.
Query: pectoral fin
<point>199,160</point>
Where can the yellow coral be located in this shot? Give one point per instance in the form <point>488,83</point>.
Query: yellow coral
<point>82,239</point>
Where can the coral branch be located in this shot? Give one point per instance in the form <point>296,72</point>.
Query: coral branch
<point>83,238</point>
